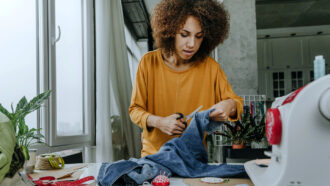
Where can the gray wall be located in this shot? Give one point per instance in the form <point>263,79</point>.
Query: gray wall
<point>238,54</point>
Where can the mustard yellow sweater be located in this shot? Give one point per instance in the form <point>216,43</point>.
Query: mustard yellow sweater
<point>161,91</point>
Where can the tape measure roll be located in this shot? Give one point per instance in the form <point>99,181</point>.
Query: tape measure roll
<point>49,161</point>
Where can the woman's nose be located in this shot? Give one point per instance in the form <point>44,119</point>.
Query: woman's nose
<point>191,42</point>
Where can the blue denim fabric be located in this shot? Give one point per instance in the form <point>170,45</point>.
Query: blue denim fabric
<point>147,170</point>
<point>184,156</point>
<point>110,172</point>
<point>139,170</point>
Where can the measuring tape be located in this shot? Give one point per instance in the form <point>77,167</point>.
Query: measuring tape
<point>49,161</point>
<point>56,162</point>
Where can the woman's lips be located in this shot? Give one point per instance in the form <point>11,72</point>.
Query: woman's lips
<point>188,53</point>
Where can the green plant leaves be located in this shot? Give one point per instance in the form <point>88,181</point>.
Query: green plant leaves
<point>246,130</point>
<point>21,104</point>
<point>25,136</point>
<point>25,151</point>
<point>9,115</point>
<point>5,111</point>
<point>34,104</point>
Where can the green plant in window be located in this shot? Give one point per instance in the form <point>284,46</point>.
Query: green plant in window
<point>25,137</point>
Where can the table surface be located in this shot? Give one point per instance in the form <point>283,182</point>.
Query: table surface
<point>93,168</point>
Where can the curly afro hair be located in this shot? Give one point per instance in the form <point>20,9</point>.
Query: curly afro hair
<point>169,17</point>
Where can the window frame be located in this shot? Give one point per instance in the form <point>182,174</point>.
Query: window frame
<point>46,65</point>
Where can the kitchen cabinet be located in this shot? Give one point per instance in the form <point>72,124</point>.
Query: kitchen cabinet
<point>286,64</point>
<point>318,46</point>
<point>287,53</point>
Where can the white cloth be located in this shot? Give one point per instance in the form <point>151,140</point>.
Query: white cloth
<point>113,82</point>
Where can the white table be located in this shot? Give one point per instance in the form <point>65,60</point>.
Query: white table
<point>93,170</point>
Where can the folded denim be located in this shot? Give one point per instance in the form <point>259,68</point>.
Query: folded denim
<point>139,170</point>
<point>184,156</point>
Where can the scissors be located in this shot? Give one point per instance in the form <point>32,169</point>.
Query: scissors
<point>188,116</point>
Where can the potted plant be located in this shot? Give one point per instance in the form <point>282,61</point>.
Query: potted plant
<point>248,129</point>
<point>258,136</point>
<point>25,137</point>
<point>239,132</point>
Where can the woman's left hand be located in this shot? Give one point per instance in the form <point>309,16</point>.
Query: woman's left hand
<point>223,110</point>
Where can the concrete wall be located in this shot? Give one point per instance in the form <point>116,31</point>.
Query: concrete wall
<point>238,54</point>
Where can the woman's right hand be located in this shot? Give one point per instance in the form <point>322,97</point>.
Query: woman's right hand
<point>169,125</point>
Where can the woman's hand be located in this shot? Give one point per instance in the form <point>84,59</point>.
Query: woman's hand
<point>223,110</point>
<point>169,125</point>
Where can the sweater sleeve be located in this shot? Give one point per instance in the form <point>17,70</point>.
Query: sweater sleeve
<point>138,106</point>
<point>224,91</point>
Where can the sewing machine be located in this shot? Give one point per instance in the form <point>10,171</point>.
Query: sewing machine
<point>299,131</point>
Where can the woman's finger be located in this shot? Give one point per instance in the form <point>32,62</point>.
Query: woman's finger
<point>181,126</point>
<point>177,132</point>
<point>220,118</point>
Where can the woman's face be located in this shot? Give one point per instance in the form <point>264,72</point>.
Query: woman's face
<point>188,39</point>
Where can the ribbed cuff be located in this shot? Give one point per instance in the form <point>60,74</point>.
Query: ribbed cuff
<point>144,121</point>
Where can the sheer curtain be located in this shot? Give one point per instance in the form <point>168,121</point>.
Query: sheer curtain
<point>116,136</point>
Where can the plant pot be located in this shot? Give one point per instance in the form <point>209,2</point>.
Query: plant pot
<point>238,146</point>
<point>17,162</point>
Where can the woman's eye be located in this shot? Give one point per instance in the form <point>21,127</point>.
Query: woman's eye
<point>199,37</point>
<point>184,35</point>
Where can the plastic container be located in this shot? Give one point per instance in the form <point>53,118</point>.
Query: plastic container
<point>319,67</point>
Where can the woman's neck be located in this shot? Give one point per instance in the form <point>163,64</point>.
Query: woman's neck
<point>174,60</point>
<point>176,63</point>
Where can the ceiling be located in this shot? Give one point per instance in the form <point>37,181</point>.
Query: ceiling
<point>269,14</point>
<point>292,13</point>
<point>136,18</point>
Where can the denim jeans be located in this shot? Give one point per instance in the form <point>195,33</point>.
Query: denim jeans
<point>184,156</point>
<point>138,170</point>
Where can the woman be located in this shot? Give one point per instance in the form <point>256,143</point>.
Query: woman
<point>180,76</point>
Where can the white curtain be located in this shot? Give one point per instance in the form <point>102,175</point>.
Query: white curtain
<point>113,86</point>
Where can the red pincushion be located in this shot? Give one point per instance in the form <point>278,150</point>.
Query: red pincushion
<point>161,180</point>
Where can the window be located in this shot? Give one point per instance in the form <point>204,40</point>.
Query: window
<point>72,71</point>
<point>18,54</point>
<point>311,75</point>
<point>69,67</point>
<point>278,84</point>
<point>296,80</point>
<point>49,45</point>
